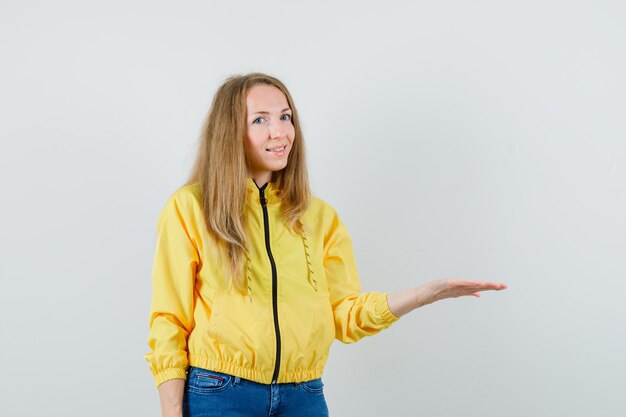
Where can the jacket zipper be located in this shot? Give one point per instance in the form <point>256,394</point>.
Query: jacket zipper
<point>274,280</point>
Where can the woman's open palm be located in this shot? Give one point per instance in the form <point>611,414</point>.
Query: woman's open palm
<point>452,288</point>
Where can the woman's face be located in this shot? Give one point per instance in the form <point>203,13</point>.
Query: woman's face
<point>269,133</point>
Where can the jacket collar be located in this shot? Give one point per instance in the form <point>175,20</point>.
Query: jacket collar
<point>271,192</point>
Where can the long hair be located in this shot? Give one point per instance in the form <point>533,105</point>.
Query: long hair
<point>221,167</point>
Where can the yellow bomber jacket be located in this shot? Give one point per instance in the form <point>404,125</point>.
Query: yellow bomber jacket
<point>304,292</point>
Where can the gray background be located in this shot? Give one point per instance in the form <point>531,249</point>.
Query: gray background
<point>476,139</point>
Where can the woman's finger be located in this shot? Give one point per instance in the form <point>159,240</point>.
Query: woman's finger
<point>482,286</point>
<point>473,288</point>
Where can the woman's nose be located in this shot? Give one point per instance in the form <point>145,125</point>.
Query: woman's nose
<point>275,130</point>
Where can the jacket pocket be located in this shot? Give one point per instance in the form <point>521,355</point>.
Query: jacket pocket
<point>204,381</point>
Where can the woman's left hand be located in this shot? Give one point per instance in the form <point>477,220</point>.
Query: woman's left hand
<point>401,302</point>
<point>452,288</point>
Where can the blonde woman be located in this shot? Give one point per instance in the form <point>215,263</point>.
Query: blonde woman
<point>254,277</point>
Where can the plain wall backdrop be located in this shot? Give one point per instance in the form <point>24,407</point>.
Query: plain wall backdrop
<point>470,139</point>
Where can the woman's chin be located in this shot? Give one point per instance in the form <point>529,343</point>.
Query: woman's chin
<point>277,166</point>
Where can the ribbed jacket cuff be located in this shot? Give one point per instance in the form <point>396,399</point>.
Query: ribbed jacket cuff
<point>171,373</point>
<point>384,314</point>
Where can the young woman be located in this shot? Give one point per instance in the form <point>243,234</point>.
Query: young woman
<point>254,277</point>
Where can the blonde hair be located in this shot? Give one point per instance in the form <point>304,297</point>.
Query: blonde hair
<point>221,168</point>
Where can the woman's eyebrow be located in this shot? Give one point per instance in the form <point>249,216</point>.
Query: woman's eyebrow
<point>266,112</point>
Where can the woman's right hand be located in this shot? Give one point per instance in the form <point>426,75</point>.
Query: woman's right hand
<point>171,395</point>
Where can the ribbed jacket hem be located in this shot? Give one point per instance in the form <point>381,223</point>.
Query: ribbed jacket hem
<point>263,377</point>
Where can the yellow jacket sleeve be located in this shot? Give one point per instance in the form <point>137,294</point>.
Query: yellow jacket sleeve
<point>356,314</point>
<point>173,280</point>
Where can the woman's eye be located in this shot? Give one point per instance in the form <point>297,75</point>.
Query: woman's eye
<point>258,120</point>
<point>286,117</point>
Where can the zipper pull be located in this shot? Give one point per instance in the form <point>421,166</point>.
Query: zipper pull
<point>262,198</point>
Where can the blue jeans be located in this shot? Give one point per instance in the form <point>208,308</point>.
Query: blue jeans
<point>210,393</point>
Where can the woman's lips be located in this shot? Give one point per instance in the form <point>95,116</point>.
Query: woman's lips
<point>279,152</point>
